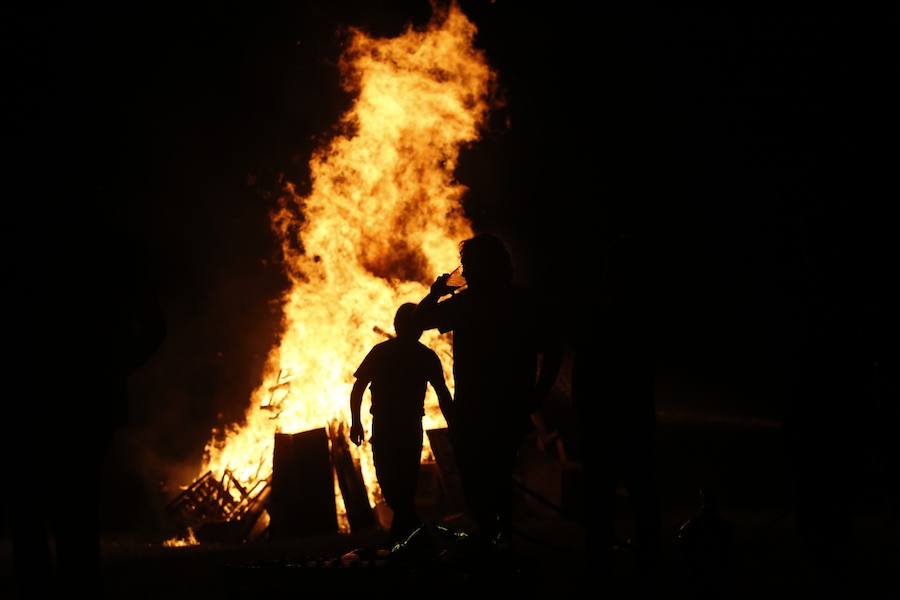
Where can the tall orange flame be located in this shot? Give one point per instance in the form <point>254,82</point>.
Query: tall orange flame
<point>382,218</point>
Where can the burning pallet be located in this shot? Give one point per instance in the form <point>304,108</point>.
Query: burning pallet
<point>221,510</point>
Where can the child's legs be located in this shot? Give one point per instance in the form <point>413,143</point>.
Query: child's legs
<point>397,452</point>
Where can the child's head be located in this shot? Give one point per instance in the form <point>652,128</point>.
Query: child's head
<point>405,322</point>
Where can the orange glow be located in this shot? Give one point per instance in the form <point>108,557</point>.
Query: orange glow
<point>188,540</point>
<point>383,217</point>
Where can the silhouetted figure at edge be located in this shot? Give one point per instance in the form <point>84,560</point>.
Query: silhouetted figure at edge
<point>498,334</point>
<point>399,370</point>
<point>612,386</point>
<point>831,422</point>
<point>83,325</point>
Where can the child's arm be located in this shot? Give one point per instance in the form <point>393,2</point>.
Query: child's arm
<point>356,396</point>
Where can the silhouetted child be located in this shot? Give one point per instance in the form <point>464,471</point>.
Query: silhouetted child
<point>399,370</point>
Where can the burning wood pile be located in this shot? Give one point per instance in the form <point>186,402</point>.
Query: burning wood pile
<point>298,499</point>
<point>381,217</point>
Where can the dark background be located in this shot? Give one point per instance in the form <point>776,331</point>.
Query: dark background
<point>749,150</point>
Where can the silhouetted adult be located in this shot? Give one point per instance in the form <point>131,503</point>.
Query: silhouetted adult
<point>612,385</point>
<point>399,370</point>
<point>90,320</point>
<point>498,334</point>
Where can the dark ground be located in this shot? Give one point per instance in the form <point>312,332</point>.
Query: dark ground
<point>743,459</point>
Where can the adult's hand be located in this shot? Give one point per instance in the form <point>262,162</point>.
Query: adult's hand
<point>440,288</point>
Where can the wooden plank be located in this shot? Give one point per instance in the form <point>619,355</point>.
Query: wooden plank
<point>350,480</point>
<point>302,501</point>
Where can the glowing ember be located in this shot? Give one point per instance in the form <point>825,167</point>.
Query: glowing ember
<point>382,218</point>
<point>188,540</point>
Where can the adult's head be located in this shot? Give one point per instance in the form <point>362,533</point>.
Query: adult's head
<point>486,262</point>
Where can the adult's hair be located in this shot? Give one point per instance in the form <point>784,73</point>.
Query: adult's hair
<point>486,260</point>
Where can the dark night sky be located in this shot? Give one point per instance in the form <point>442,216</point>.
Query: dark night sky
<point>752,151</point>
